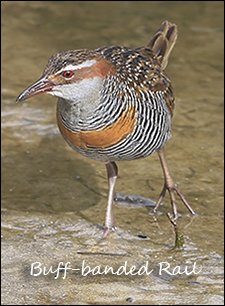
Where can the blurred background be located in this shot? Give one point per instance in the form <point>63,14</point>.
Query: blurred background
<point>52,197</point>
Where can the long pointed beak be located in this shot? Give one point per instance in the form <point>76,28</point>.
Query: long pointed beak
<point>41,86</point>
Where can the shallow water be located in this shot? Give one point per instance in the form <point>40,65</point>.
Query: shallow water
<point>53,199</point>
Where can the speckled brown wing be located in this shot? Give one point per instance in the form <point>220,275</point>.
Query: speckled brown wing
<point>159,49</point>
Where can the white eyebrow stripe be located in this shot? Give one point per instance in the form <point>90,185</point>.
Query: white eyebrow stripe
<point>85,64</point>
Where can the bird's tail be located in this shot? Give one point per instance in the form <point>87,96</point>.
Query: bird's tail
<point>163,41</point>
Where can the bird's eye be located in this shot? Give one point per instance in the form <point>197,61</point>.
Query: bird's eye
<point>68,74</point>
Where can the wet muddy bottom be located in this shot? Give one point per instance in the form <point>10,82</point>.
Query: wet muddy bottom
<point>54,200</point>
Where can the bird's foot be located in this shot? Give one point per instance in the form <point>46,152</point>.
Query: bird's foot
<point>108,230</point>
<point>172,189</point>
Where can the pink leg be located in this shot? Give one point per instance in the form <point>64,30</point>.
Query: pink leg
<point>171,186</point>
<point>109,224</point>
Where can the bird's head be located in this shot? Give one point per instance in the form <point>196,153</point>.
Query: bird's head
<point>71,75</point>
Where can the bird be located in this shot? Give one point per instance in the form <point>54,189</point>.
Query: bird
<point>115,103</point>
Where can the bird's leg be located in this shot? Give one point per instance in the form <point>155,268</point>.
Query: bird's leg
<point>109,224</point>
<point>171,186</point>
